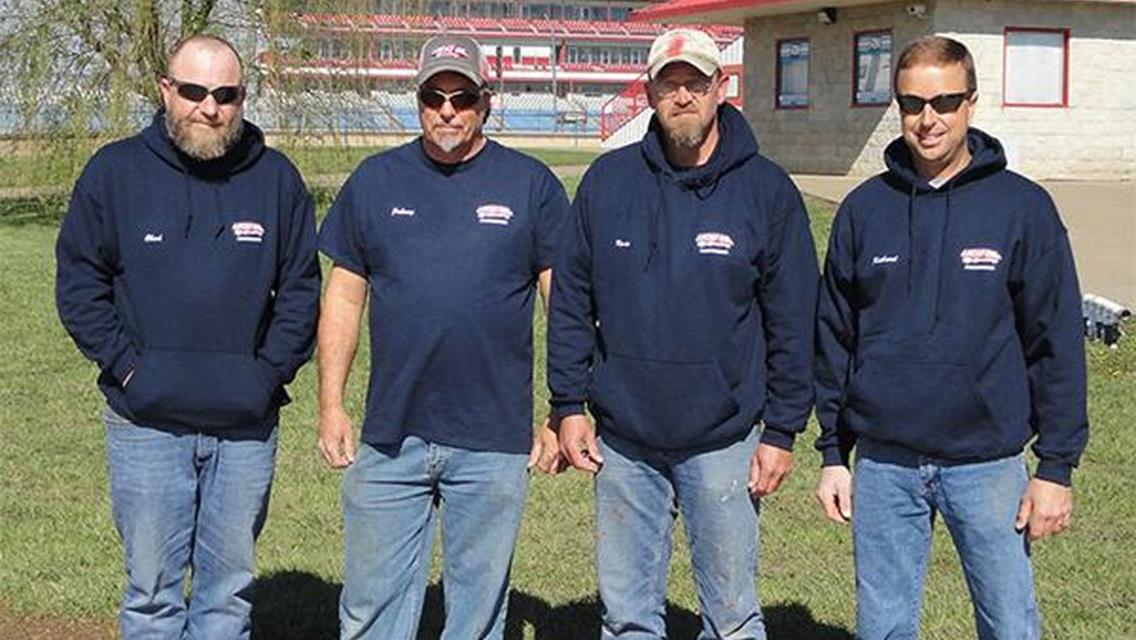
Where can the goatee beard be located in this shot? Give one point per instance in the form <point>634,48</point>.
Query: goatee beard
<point>206,144</point>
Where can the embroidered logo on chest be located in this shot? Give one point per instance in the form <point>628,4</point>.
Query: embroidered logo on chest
<point>714,243</point>
<point>494,214</point>
<point>153,238</point>
<point>886,259</point>
<point>248,232</point>
<point>980,259</point>
<point>402,211</point>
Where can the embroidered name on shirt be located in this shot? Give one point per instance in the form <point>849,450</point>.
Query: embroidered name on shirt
<point>152,238</point>
<point>494,214</point>
<point>718,244</point>
<point>622,244</point>
<point>885,259</point>
<point>980,259</point>
<point>248,231</point>
<point>400,211</point>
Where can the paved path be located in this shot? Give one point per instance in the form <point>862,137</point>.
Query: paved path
<point>1101,217</point>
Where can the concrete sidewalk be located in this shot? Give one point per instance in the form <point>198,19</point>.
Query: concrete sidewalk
<point>1100,216</point>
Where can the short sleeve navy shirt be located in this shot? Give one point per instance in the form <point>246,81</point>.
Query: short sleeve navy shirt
<point>451,254</point>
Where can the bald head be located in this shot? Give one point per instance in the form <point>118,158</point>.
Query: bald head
<point>204,53</point>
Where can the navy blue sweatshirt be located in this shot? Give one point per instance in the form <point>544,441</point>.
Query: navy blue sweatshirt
<point>198,280</point>
<point>452,254</point>
<point>949,319</point>
<point>682,313</point>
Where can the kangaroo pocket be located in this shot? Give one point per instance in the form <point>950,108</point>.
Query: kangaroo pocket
<point>670,405</point>
<point>200,389</point>
<point>931,407</point>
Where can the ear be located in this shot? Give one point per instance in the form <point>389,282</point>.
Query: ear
<point>971,107</point>
<point>723,87</point>
<point>165,91</point>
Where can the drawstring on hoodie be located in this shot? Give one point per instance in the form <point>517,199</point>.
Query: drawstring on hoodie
<point>942,259</point>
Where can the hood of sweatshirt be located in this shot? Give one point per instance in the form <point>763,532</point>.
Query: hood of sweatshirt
<point>987,156</point>
<point>244,154</point>
<point>736,144</point>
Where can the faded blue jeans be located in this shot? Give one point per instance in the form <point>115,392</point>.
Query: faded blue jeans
<point>390,496</point>
<point>639,492</point>
<point>187,502</point>
<point>896,496</point>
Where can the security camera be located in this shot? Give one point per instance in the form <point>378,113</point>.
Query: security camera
<point>917,10</point>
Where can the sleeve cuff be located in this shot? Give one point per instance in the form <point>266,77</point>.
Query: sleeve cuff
<point>1055,471</point>
<point>775,437</point>
<point>562,410</point>
<point>833,457</point>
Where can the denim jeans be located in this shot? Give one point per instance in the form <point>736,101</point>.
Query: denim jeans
<point>639,492</point>
<point>185,500</point>
<point>390,495</point>
<point>896,496</point>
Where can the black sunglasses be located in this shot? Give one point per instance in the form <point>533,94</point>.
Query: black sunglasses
<point>942,103</point>
<point>461,100</point>
<point>197,93</point>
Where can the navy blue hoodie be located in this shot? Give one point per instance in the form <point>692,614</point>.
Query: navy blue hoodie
<point>683,311</point>
<point>949,319</point>
<point>201,278</point>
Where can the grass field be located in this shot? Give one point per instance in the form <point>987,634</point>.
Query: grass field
<point>60,560</point>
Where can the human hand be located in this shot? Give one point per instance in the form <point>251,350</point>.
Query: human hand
<point>768,468</point>
<point>336,441</point>
<point>578,443</point>
<point>1046,509</point>
<point>545,454</point>
<point>834,491</point>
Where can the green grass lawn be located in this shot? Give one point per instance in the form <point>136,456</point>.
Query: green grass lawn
<point>61,562</point>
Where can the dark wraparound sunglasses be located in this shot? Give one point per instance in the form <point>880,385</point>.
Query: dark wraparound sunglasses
<point>942,103</point>
<point>197,93</point>
<point>461,100</point>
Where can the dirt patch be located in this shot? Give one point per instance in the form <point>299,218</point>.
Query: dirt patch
<point>40,627</point>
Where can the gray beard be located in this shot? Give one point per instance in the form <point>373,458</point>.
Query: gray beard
<point>687,138</point>
<point>203,145</point>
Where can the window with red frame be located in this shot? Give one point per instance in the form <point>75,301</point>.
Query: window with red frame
<point>1036,67</point>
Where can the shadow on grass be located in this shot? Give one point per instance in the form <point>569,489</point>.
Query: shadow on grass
<point>293,605</point>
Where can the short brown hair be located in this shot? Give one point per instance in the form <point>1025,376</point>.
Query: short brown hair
<point>936,50</point>
<point>207,39</point>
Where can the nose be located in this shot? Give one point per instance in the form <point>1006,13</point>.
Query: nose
<point>928,116</point>
<point>447,111</point>
<point>209,107</point>
<point>683,95</point>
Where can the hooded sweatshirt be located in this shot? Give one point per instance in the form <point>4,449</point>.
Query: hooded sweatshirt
<point>682,313</point>
<point>194,285</point>
<point>949,318</point>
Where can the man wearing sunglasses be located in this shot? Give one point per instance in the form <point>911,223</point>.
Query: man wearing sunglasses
<point>187,269</point>
<point>451,236</point>
<point>949,335</point>
<point>682,315</point>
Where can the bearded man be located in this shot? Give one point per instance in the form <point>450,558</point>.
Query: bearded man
<point>187,270</point>
<point>682,316</point>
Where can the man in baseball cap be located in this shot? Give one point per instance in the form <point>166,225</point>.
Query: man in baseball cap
<point>682,318</point>
<point>449,235</point>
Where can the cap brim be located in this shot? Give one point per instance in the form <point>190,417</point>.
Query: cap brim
<point>441,67</point>
<point>706,67</point>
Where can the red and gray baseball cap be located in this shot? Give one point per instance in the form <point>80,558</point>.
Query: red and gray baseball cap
<point>691,46</point>
<point>459,54</point>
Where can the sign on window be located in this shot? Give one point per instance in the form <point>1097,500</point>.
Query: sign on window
<point>873,68</point>
<point>793,73</point>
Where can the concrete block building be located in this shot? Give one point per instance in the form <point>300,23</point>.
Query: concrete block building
<point>1056,78</point>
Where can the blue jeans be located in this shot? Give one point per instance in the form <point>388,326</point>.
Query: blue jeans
<point>639,492</point>
<point>389,498</point>
<point>184,500</point>
<point>896,495</point>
